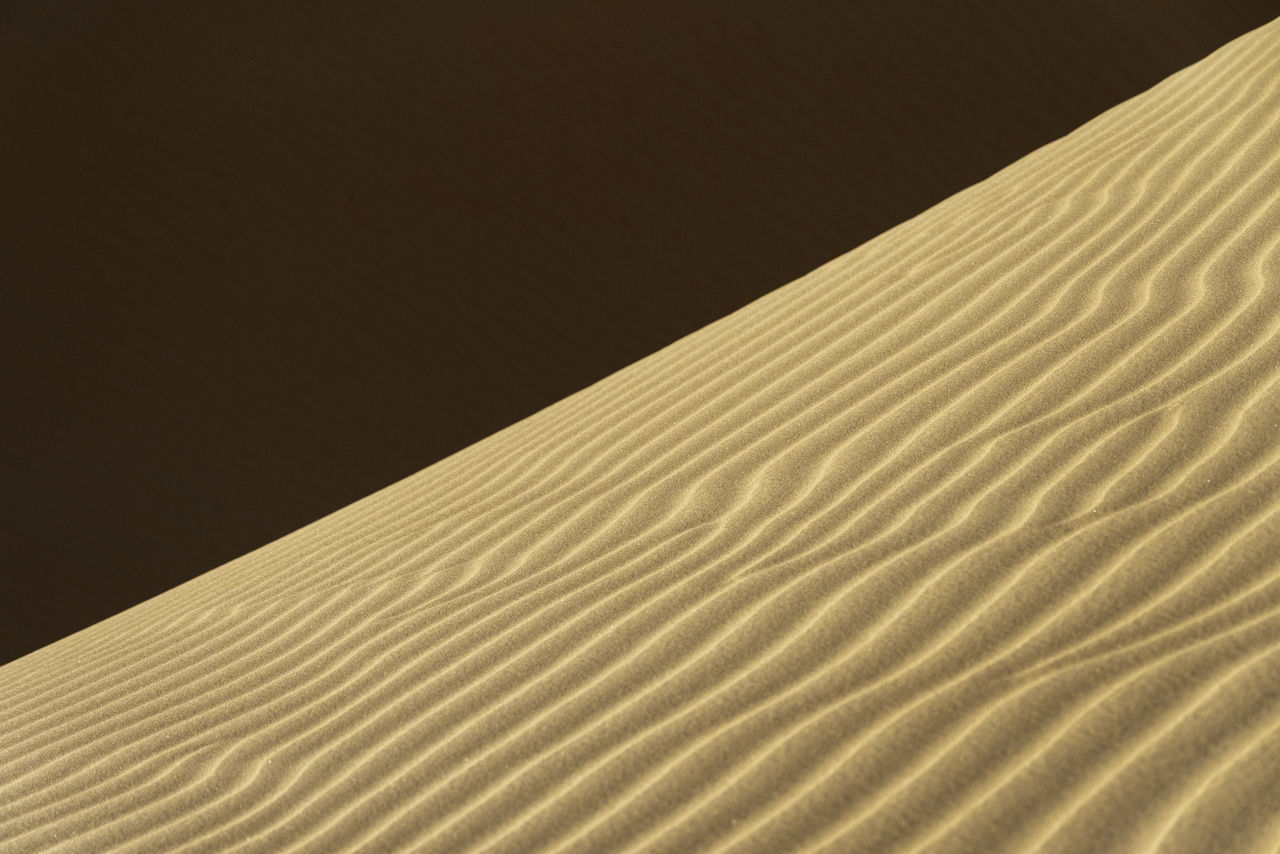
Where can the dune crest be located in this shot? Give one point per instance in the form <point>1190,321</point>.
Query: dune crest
<point>968,540</point>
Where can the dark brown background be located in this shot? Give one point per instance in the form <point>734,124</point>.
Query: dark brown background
<point>263,257</point>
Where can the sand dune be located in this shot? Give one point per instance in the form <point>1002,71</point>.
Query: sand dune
<point>968,540</point>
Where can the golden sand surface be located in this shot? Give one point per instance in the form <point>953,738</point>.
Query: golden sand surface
<point>968,540</point>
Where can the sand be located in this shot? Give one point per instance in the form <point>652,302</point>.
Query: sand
<point>968,540</point>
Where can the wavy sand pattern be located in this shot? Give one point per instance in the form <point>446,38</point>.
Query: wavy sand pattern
<point>969,540</point>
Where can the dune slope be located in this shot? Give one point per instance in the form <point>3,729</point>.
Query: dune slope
<point>968,540</point>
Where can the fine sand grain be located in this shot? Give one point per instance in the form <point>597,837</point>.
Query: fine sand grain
<point>968,540</point>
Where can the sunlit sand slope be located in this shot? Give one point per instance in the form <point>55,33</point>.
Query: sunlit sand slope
<point>969,540</point>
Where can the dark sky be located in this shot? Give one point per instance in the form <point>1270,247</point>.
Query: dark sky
<point>260,258</point>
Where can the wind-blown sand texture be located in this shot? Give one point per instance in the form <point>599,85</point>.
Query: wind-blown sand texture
<point>968,540</point>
